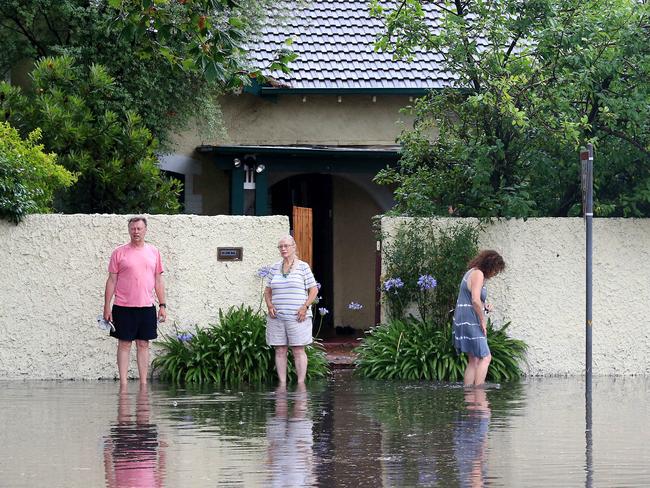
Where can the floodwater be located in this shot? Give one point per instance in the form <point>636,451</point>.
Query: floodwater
<point>343,432</point>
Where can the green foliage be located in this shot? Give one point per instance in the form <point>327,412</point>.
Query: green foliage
<point>166,94</point>
<point>111,151</point>
<point>534,80</point>
<point>28,176</point>
<point>422,247</point>
<point>231,352</point>
<point>205,36</point>
<point>507,354</point>
<point>410,349</point>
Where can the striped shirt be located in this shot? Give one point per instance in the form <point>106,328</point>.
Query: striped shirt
<point>290,293</point>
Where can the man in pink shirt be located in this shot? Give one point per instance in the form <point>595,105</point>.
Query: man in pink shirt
<point>134,273</point>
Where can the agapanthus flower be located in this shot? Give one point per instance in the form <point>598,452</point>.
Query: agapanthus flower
<point>355,306</point>
<point>185,336</point>
<point>323,311</point>
<point>393,283</point>
<point>318,285</point>
<point>427,282</point>
<point>264,271</point>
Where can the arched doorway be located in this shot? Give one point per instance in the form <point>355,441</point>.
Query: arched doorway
<point>313,191</point>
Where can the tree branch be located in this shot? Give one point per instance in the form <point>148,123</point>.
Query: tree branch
<point>443,9</point>
<point>514,42</point>
<point>625,137</point>
<point>471,63</point>
<point>25,32</point>
<point>49,26</point>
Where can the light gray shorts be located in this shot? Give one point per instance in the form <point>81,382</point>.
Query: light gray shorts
<point>282,331</point>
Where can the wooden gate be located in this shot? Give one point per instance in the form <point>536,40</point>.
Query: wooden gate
<point>303,234</point>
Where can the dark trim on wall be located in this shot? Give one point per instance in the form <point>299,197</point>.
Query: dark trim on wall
<point>306,158</point>
<point>236,191</point>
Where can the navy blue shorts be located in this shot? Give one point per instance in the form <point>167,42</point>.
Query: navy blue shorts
<point>135,323</point>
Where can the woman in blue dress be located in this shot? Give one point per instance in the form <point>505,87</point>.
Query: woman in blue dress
<point>470,323</point>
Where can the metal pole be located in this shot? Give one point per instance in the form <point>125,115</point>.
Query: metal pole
<point>378,283</point>
<point>587,158</point>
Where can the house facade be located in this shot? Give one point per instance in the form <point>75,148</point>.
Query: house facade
<point>312,141</point>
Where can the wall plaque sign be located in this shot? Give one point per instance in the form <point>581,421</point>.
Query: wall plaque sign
<point>230,253</point>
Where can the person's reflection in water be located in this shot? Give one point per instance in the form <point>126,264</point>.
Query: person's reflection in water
<point>290,441</point>
<point>470,438</point>
<point>133,455</point>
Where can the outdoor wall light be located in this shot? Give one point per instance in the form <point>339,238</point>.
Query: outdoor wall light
<point>236,162</point>
<point>259,168</point>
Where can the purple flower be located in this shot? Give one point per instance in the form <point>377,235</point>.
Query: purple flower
<point>318,285</point>
<point>427,282</point>
<point>264,271</point>
<point>393,283</point>
<point>185,336</point>
<point>355,306</point>
<point>323,311</point>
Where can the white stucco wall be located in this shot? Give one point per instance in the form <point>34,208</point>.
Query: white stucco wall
<point>542,291</point>
<point>54,269</point>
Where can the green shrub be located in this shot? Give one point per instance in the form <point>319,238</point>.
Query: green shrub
<point>29,177</point>
<point>420,247</point>
<point>413,349</point>
<point>507,354</point>
<point>112,153</point>
<point>230,352</point>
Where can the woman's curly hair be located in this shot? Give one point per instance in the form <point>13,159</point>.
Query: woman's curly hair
<point>488,261</point>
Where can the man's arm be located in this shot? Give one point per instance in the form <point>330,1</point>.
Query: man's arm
<point>160,293</point>
<point>108,296</point>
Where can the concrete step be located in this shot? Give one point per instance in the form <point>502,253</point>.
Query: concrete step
<point>340,352</point>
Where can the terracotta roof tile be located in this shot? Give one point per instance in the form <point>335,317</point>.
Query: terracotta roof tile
<point>334,41</point>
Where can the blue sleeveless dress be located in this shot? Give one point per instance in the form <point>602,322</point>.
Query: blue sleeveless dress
<point>468,335</point>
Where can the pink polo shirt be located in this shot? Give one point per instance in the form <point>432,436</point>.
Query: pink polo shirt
<point>136,269</point>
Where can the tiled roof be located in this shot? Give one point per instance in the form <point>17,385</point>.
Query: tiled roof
<point>334,40</point>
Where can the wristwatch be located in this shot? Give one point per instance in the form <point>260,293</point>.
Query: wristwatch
<point>162,305</point>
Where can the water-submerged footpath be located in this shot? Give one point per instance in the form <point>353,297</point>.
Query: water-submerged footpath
<point>343,432</point>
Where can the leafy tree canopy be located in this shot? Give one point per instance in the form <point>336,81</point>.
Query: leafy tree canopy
<point>209,36</point>
<point>29,177</point>
<point>168,59</point>
<point>111,152</point>
<point>533,81</point>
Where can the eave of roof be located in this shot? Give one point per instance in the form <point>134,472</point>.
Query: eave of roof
<point>311,150</point>
<point>314,157</point>
<point>271,91</point>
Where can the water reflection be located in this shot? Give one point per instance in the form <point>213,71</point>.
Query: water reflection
<point>134,456</point>
<point>589,458</point>
<point>434,434</point>
<point>290,440</point>
<point>470,438</point>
